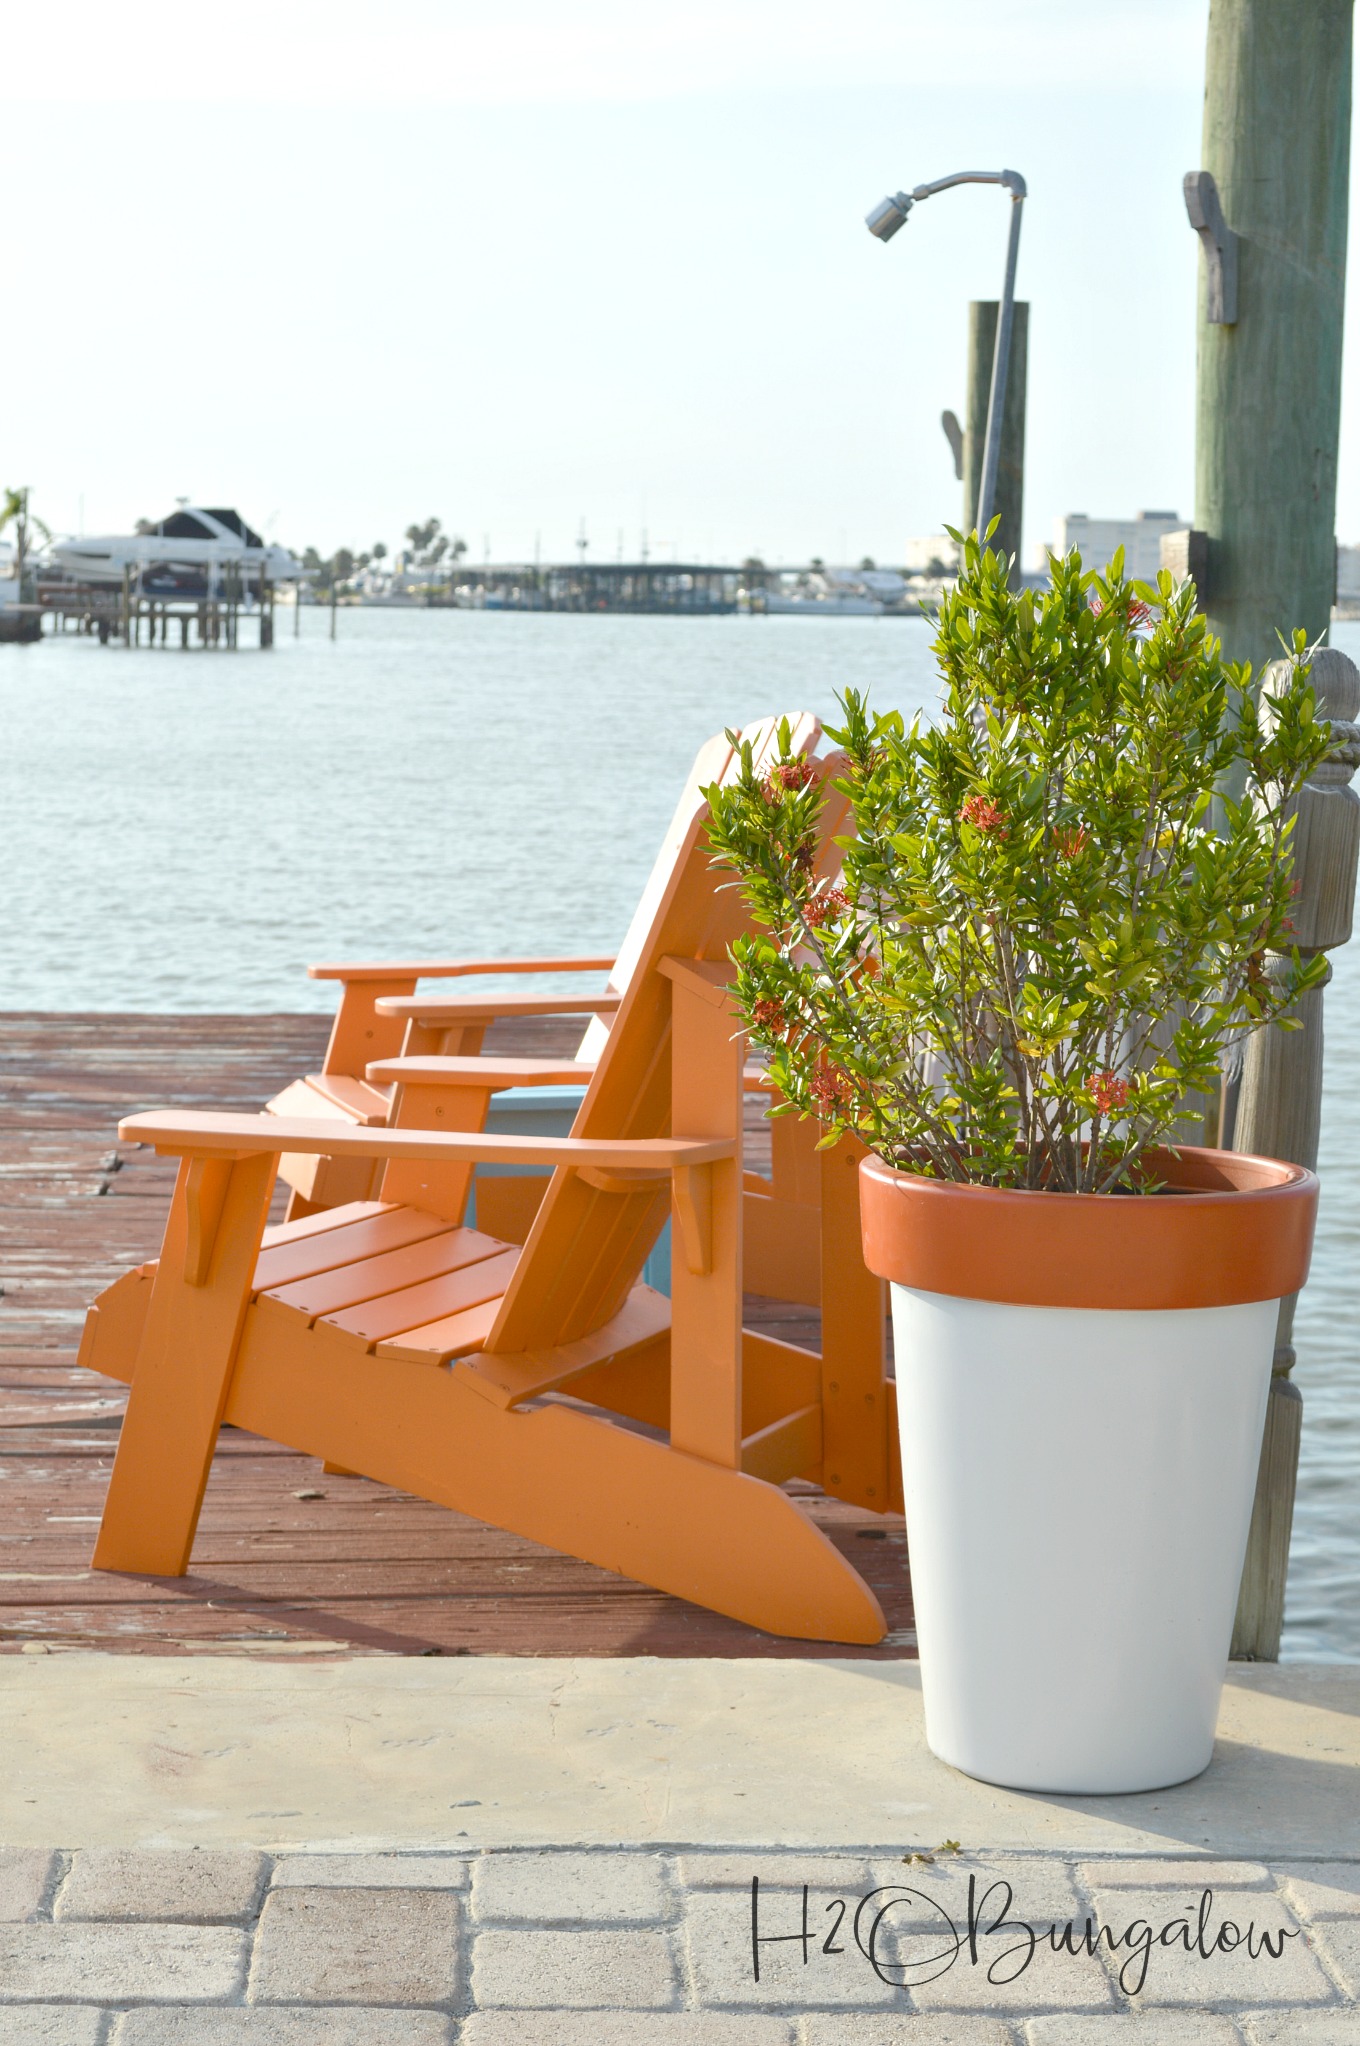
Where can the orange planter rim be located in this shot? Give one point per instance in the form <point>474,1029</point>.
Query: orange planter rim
<point>1245,1234</point>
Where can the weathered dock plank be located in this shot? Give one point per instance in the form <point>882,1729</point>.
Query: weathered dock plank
<point>289,1560</point>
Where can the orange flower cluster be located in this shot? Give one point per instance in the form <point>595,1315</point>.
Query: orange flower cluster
<point>983,814</point>
<point>1139,613</point>
<point>1071,840</point>
<point>831,1090</point>
<point>768,1014</point>
<point>786,777</point>
<point>830,902</point>
<point>1109,1091</point>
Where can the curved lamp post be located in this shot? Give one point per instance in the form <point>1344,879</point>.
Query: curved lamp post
<point>885,220</point>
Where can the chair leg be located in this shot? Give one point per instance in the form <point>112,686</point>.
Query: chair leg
<point>855,1411</point>
<point>184,1365</point>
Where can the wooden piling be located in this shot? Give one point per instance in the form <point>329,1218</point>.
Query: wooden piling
<point>1010,482</point>
<point>1276,140</point>
<point>1279,1108</point>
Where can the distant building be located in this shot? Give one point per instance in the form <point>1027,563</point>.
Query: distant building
<point>1348,575</point>
<point>1097,539</point>
<point>934,555</point>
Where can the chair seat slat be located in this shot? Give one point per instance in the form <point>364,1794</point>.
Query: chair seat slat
<point>392,1271</point>
<point>376,1229</point>
<point>394,1314</point>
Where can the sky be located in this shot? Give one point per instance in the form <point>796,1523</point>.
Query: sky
<point>527,266</point>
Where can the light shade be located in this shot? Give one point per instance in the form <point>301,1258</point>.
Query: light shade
<point>888,216</point>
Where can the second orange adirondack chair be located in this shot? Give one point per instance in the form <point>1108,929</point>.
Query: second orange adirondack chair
<point>380,1015</point>
<point>543,1389</point>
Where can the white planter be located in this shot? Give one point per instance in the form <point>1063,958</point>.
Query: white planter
<point>1081,1385</point>
<point>1078,1490</point>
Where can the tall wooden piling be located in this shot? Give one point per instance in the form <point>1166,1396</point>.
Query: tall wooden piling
<point>1279,1111</point>
<point>1277,118</point>
<point>1010,481</point>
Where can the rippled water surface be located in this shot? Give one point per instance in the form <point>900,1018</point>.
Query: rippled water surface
<point>186,831</point>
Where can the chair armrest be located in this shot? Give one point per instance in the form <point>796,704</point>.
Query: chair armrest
<point>479,1072</point>
<point>452,1009</point>
<point>190,1132</point>
<point>450,969</point>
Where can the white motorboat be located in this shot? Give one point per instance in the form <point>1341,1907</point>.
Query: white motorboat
<point>829,593</point>
<point>195,552</point>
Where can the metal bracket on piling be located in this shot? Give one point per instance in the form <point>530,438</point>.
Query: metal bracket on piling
<point>1220,247</point>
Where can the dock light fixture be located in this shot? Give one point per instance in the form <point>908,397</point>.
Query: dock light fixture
<point>884,221</point>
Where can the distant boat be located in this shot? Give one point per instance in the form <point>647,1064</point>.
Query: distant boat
<point>833,593</point>
<point>190,554</point>
<point>835,605</point>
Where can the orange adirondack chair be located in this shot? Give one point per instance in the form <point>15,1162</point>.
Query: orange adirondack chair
<point>510,1383</point>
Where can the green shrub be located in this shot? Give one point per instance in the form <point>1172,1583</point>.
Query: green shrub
<point>1048,930</point>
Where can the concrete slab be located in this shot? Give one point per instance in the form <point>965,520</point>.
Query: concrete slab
<point>396,1754</point>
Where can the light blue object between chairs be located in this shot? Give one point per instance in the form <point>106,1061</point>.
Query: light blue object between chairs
<point>550,1112</point>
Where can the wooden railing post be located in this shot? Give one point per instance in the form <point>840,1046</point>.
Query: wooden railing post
<point>1278,1114</point>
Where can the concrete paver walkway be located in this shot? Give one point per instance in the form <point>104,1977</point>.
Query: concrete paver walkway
<point>533,1853</point>
<point>547,1948</point>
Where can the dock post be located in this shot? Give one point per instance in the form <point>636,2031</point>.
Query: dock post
<point>1276,148</point>
<point>1279,1111</point>
<point>1010,481</point>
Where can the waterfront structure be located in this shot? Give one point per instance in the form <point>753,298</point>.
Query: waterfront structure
<point>694,588</point>
<point>192,553</point>
<point>1097,539</point>
<point>690,588</point>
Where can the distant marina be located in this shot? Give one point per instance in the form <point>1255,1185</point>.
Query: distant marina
<point>704,589</point>
<point>204,577</point>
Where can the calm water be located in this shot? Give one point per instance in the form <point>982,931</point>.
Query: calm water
<point>187,831</point>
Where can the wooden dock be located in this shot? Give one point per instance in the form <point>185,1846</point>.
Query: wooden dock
<point>289,1561</point>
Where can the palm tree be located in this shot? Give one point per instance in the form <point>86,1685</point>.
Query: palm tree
<point>15,508</point>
